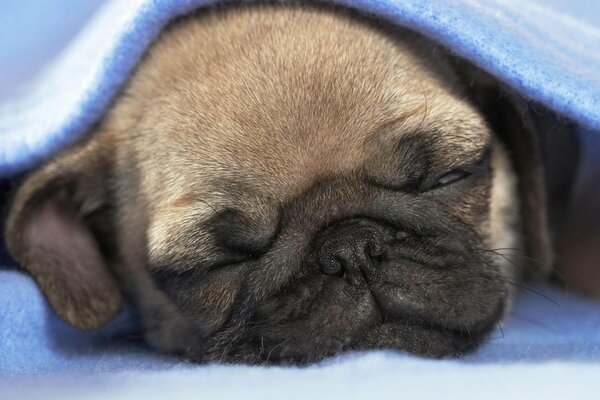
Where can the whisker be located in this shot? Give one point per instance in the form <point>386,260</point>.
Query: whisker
<point>534,260</point>
<point>497,251</point>
<point>517,284</point>
<point>532,290</point>
<point>506,259</point>
<point>208,204</point>
<point>532,321</point>
<point>273,349</point>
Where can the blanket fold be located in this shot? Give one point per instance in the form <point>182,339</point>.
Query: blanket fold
<point>547,56</point>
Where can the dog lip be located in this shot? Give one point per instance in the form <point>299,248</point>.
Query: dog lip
<point>465,339</point>
<point>476,331</point>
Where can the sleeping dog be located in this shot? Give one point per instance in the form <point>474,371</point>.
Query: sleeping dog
<point>283,183</point>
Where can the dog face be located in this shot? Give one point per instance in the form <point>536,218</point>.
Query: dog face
<point>281,184</point>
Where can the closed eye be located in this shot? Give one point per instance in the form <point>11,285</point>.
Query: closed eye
<point>451,177</point>
<point>460,173</point>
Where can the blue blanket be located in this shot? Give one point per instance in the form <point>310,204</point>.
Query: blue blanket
<point>548,50</point>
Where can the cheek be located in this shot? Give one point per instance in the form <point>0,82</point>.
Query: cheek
<point>473,207</point>
<point>215,301</point>
<point>470,204</point>
<point>503,227</point>
<point>204,300</point>
<point>491,205</point>
<point>173,233</point>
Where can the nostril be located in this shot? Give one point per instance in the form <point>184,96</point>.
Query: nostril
<point>349,250</point>
<point>330,258</point>
<point>331,265</point>
<point>353,249</point>
<point>374,249</point>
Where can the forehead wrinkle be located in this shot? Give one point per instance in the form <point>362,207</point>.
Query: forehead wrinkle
<point>173,235</point>
<point>397,123</point>
<point>451,149</point>
<point>443,112</point>
<point>446,143</point>
<point>313,117</point>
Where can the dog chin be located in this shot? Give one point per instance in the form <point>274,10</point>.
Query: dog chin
<point>321,332</point>
<point>370,303</point>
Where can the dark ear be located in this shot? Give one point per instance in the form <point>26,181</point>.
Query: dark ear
<point>544,153</point>
<point>50,232</point>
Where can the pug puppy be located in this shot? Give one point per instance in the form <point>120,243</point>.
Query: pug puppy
<point>283,183</point>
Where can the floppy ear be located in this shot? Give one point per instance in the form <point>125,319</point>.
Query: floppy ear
<point>51,231</point>
<point>544,153</point>
<point>511,121</point>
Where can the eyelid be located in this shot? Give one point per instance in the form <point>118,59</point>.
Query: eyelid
<point>464,171</point>
<point>238,235</point>
<point>452,176</point>
<point>473,166</point>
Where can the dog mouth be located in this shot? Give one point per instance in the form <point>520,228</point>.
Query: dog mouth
<point>312,332</point>
<point>323,331</point>
<point>427,296</point>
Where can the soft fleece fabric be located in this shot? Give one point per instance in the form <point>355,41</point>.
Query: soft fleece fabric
<point>549,348</point>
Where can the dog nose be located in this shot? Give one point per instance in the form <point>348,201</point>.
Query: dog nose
<point>349,248</point>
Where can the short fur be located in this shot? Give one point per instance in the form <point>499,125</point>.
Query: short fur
<point>281,183</point>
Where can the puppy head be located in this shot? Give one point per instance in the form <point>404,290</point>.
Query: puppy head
<point>281,184</point>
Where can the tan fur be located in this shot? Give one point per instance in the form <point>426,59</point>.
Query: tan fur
<point>247,109</point>
<point>222,96</point>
